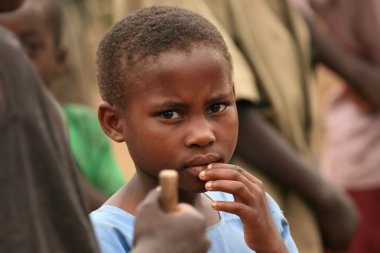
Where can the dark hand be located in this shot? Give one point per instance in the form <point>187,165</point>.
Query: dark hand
<point>181,231</point>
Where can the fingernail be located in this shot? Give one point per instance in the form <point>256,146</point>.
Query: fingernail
<point>209,166</point>
<point>208,185</point>
<point>202,174</point>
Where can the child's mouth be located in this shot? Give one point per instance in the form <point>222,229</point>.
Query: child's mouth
<point>199,163</point>
<point>195,170</point>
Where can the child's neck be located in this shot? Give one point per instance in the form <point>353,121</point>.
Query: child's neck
<point>133,193</point>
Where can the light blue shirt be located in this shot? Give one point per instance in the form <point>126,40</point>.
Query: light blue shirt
<point>114,229</point>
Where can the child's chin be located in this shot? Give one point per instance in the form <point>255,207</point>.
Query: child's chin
<point>195,188</point>
<point>191,183</point>
<point>201,189</point>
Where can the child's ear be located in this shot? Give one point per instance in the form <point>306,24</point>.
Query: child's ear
<point>60,67</point>
<point>109,119</point>
<point>61,56</point>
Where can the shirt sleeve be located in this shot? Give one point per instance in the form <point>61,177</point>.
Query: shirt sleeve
<point>113,229</point>
<point>108,240</point>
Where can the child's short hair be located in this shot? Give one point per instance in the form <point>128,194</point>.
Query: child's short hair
<point>149,32</point>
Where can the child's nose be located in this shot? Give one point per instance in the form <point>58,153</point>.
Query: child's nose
<point>200,133</point>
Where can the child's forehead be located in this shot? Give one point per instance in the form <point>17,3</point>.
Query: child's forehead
<point>166,57</point>
<point>39,12</point>
<point>172,64</point>
<point>174,56</point>
<point>27,16</point>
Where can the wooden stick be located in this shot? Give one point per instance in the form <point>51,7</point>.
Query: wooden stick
<point>169,190</point>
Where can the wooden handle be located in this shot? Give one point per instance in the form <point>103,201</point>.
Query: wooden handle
<point>169,190</point>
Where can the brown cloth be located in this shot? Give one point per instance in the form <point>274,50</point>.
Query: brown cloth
<point>41,206</point>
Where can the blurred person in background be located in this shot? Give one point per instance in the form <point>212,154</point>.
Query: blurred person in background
<point>39,28</point>
<point>350,157</point>
<point>42,206</point>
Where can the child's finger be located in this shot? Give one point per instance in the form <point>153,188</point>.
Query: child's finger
<point>233,174</point>
<point>236,171</point>
<point>249,195</point>
<point>221,173</point>
<point>232,207</point>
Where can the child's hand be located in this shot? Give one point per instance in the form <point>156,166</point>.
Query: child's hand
<point>250,205</point>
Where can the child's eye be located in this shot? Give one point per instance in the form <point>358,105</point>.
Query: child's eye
<point>217,108</point>
<point>170,115</point>
<point>32,48</point>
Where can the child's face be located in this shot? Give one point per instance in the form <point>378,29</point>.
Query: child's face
<point>182,116</point>
<point>36,37</point>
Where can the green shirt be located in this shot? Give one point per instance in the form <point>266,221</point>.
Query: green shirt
<point>92,150</point>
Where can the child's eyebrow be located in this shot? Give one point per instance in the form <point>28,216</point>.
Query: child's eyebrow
<point>223,95</point>
<point>220,96</point>
<point>172,104</point>
<point>213,99</point>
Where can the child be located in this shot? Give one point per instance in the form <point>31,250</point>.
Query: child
<point>42,208</point>
<point>38,25</point>
<point>165,75</point>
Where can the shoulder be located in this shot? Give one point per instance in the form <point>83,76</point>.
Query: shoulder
<point>112,216</point>
<point>8,39</point>
<point>114,228</point>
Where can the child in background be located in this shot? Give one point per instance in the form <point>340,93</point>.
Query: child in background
<point>38,25</point>
<point>42,208</point>
<point>165,75</point>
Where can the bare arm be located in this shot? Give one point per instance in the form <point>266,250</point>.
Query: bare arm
<point>263,147</point>
<point>363,76</point>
